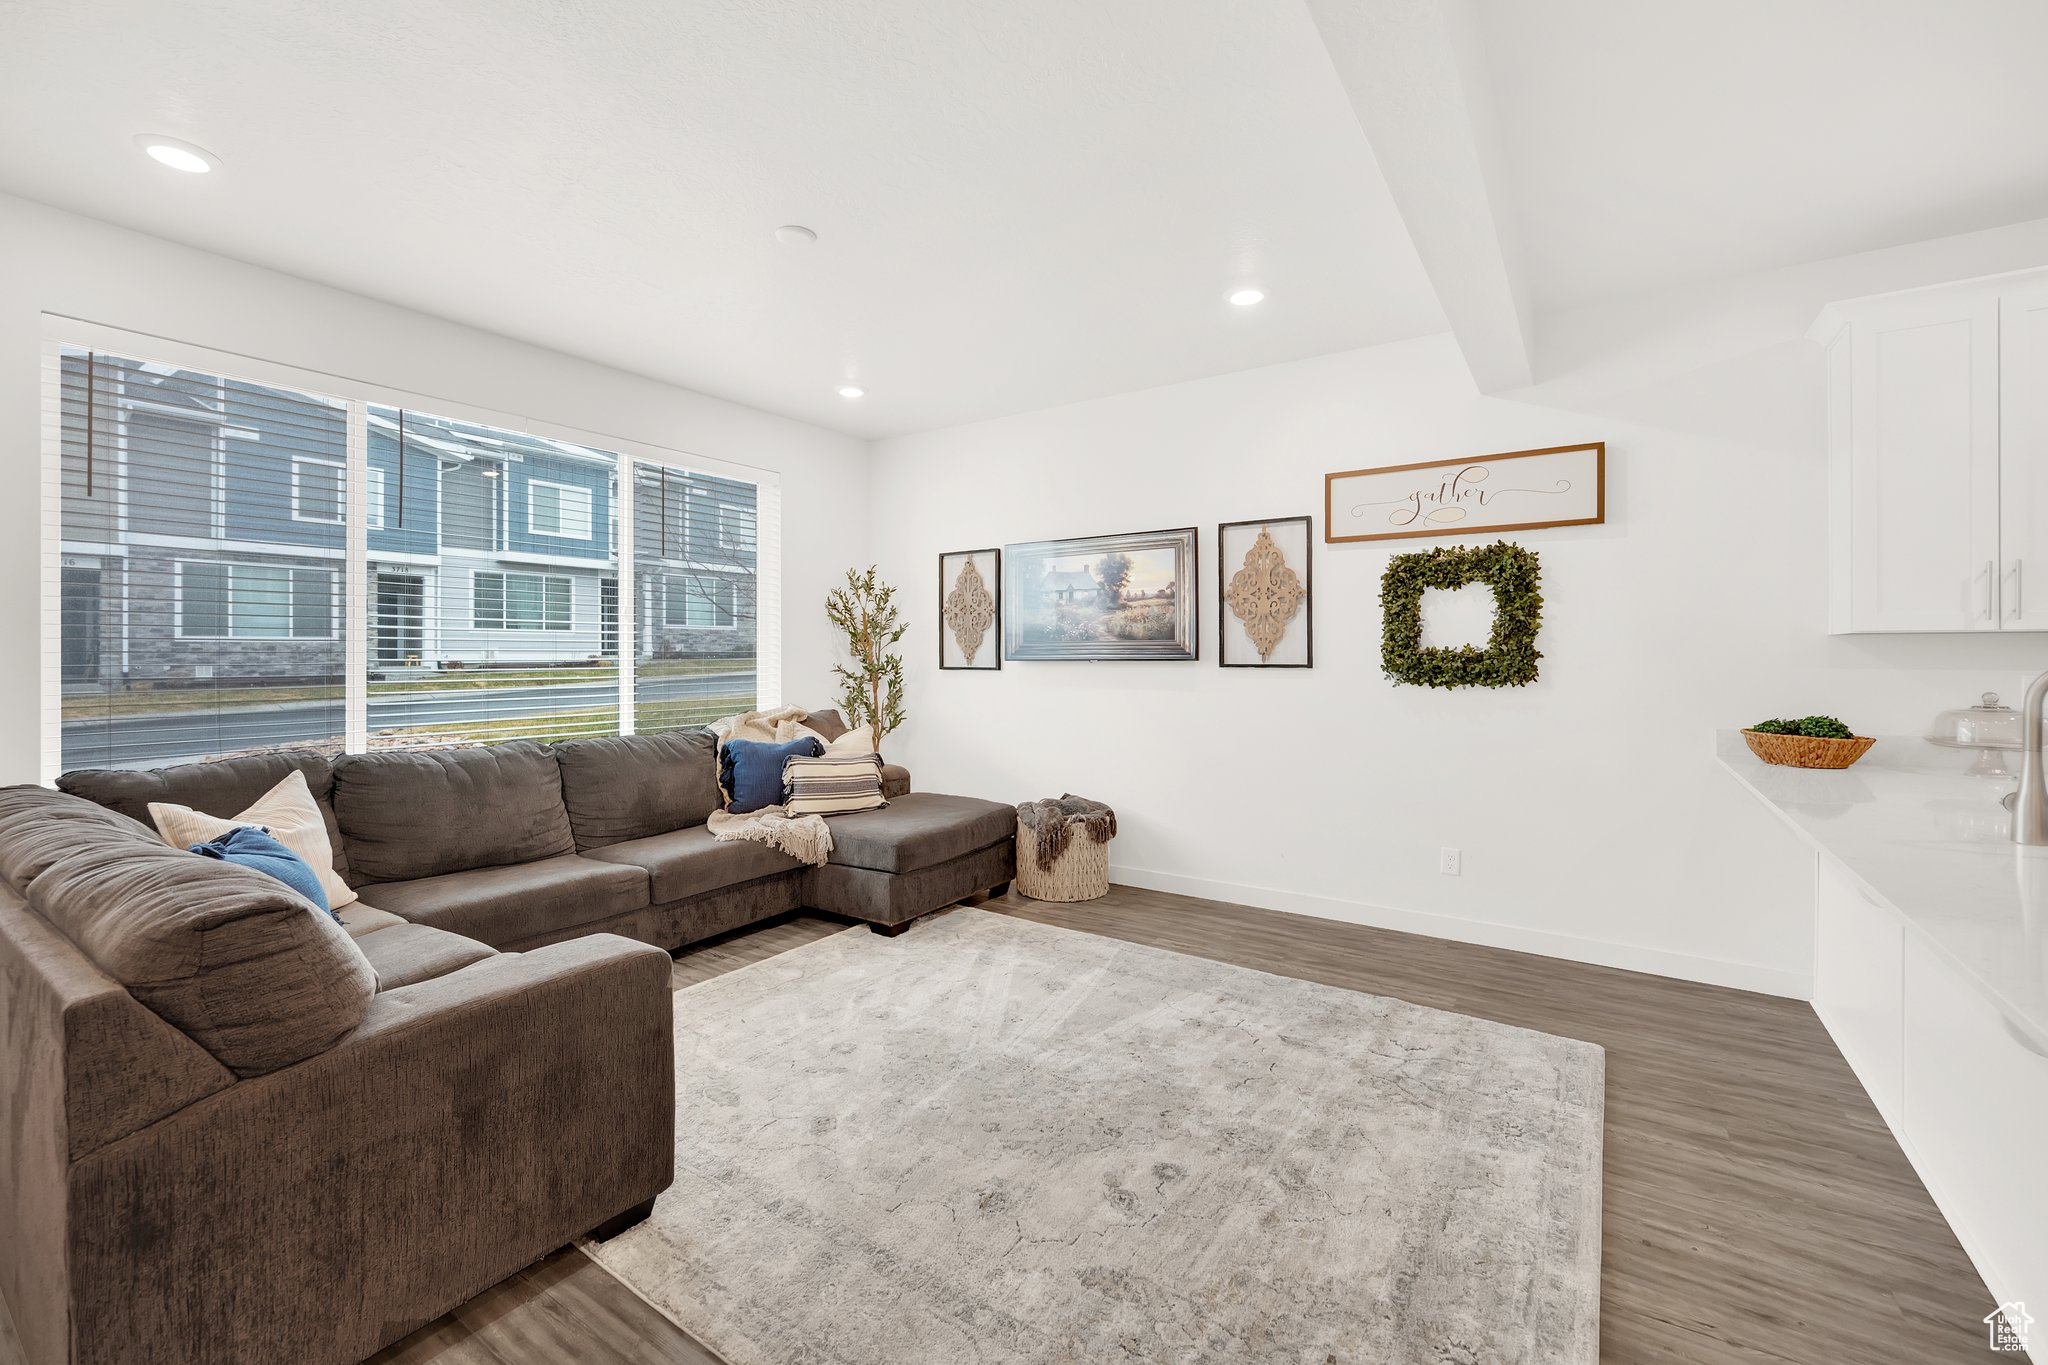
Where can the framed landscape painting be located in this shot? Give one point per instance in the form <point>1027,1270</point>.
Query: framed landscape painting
<point>1101,597</point>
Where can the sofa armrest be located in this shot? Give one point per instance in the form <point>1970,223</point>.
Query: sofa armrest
<point>471,1124</point>
<point>895,781</point>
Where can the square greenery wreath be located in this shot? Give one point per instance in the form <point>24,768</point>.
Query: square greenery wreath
<point>1509,659</point>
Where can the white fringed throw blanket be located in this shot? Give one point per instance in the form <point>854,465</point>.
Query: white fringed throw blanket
<point>804,837</point>
<point>779,726</point>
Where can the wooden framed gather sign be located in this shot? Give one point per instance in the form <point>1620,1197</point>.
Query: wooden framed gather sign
<point>1516,491</point>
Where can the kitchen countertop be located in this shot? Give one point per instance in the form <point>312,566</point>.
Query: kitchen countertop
<point>1918,836</point>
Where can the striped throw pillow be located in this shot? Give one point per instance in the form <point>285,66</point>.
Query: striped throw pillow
<point>832,785</point>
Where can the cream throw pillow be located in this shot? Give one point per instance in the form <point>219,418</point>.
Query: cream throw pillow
<point>855,742</point>
<point>287,810</point>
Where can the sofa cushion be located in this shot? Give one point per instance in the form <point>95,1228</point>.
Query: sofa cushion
<point>423,813</point>
<point>407,954</point>
<point>689,862</point>
<point>500,905</point>
<point>242,965</point>
<point>222,789</point>
<point>633,786</point>
<point>827,723</point>
<point>360,919</point>
<point>918,831</point>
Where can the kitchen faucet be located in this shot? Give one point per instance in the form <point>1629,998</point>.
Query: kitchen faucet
<point>2030,802</point>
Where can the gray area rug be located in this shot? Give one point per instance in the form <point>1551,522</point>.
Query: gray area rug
<point>994,1141</point>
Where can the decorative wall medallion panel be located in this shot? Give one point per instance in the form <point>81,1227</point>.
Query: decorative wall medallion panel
<point>1520,490</point>
<point>1101,597</point>
<point>970,609</point>
<point>1264,612</point>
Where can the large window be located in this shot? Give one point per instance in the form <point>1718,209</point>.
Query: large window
<point>212,527</point>
<point>697,595</point>
<point>200,564</point>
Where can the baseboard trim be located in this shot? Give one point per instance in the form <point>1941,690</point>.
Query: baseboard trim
<point>1742,976</point>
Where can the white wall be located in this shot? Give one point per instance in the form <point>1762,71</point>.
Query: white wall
<point>78,267</point>
<point>1593,820</point>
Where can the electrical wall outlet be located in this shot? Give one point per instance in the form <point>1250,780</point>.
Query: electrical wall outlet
<point>1448,861</point>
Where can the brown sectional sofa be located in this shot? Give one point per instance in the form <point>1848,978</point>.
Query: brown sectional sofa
<point>237,1131</point>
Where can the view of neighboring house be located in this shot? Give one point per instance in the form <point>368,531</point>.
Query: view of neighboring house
<point>204,548</point>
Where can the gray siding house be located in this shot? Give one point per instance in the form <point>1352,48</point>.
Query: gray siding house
<point>204,540</point>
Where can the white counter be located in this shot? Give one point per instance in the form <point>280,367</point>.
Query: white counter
<point>1917,836</point>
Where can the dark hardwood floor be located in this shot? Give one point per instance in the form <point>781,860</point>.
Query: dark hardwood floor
<point>1757,1211</point>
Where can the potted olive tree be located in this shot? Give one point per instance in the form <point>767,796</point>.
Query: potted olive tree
<point>871,690</point>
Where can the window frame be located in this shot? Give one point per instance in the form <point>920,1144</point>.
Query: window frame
<point>669,596</point>
<point>589,510</point>
<point>340,468</point>
<point>180,564</point>
<point>505,577</point>
<point>731,528</point>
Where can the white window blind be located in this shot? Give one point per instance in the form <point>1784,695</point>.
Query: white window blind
<point>198,549</point>
<point>696,592</point>
<point>493,584</point>
<point>203,533</point>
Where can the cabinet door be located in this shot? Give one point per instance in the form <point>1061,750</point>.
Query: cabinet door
<point>2023,457</point>
<point>1858,986</point>
<point>1976,1107</point>
<point>1923,466</point>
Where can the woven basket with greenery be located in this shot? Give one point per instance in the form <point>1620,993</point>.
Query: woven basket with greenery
<point>1063,849</point>
<point>1806,751</point>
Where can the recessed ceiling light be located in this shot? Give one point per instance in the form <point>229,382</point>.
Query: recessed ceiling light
<point>177,154</point>
<point>851,391</point>
<point>795,234</point>
<point>1245,298</point>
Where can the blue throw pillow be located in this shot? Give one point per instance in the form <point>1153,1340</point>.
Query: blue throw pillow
<point>248,846</point>
<point>750,771</point>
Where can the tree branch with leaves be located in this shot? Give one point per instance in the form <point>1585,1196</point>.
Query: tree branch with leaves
<point>871,691</point>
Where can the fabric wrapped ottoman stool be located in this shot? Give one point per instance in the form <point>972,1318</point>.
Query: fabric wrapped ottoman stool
<point>1063,849</point>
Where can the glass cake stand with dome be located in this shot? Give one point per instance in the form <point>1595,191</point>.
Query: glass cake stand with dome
<point>1991,729</point>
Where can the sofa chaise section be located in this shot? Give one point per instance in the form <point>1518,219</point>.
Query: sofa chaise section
<point>923,851</point>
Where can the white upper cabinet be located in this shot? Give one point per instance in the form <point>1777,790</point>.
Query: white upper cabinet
<point>2023,450</point>
<point>1937,417</point>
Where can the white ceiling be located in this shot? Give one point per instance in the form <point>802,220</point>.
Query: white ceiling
<point>1018,204</point>
<point>1650,142</point>
<point>1025,204</point>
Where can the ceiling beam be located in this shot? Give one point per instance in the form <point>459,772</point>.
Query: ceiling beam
<point>1414,72</point>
